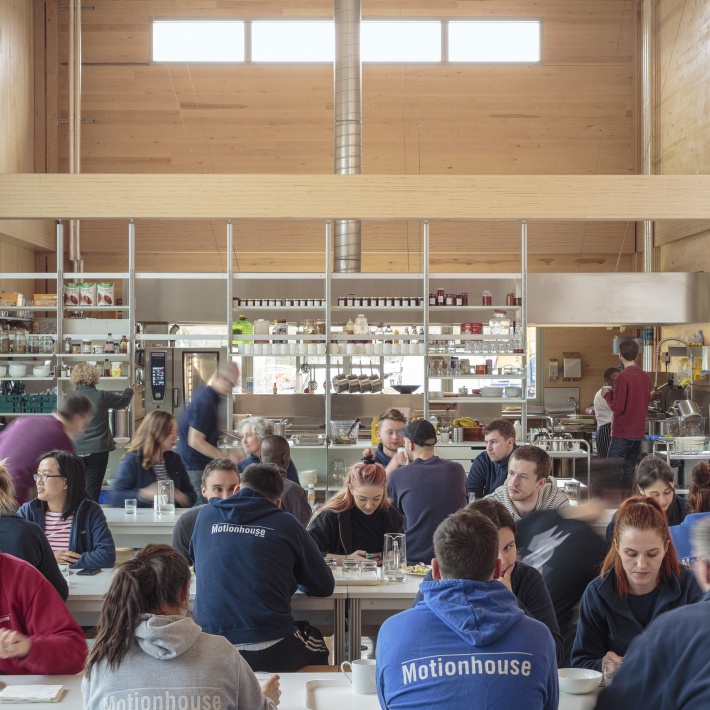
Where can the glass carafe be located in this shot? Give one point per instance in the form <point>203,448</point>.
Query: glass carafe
<point>394,557</point>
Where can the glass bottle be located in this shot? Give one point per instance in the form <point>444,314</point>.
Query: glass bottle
<point>123,345</point>
<point>108,347</point>
<point>350,327</point>
<point>312,495</point>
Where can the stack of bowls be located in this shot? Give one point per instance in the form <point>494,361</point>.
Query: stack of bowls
<point>308,477</point>
<point>17,369</point>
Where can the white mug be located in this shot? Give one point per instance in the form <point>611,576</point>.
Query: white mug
<point>362,675</point>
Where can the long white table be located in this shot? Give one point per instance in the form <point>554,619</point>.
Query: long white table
<point>142,528</point>
<point>86,596</point>
<point>293,693</point>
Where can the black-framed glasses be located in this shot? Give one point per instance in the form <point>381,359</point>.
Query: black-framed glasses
<point>42,477</point>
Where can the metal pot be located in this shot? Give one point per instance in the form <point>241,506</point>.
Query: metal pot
<point>353,383</point>
<point>365,383</point>
<point>376,382</point>
<point>279,426</point>
<point>685,408</point>
<point>340,383</point>
<point>119,422</point>
<point>664,427</point>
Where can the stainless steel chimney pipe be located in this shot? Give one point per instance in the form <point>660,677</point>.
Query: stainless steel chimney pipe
<point>347,246</point>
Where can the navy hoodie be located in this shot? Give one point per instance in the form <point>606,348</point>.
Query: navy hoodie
<point>467,645</point>
<point>667,666</point>
<point>250,558</point>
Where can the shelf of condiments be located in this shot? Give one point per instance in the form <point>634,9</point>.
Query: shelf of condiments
<point>455,366</point>
<point>20,342</point>
<point>87,346</point>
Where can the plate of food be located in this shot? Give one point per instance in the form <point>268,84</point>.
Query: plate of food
<point>419,570</point>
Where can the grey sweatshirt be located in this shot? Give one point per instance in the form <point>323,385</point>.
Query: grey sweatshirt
<point>173,664</point>
<point>549,497</point>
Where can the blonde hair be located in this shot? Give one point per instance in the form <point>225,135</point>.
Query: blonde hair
<point>154,429</point>
<point>7,490</point>
<point>84,374</point>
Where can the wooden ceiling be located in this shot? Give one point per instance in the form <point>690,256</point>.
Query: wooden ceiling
<point>576,113</point>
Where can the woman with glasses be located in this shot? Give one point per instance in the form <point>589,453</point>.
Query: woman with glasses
<point>75,525</point>
<point>150,459</point>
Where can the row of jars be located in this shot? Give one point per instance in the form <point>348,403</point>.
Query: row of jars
<point>22,342</point>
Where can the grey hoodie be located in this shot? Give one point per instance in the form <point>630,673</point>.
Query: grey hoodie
<point>548,498</point>
<point>172,664</point>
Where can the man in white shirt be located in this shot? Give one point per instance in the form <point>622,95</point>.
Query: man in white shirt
<point>603,413</point>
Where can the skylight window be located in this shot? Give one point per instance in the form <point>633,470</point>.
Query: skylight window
<point>198,41</point>
<point>295,41</point>
<point>494,42</point>
<point>401,41</point>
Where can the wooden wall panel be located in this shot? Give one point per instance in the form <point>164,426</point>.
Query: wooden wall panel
<point>15,258</point>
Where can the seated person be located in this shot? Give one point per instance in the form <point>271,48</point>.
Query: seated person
<point>468,642</point>
<point>530,485</point>
<point>490,468</point>
<point>653,477</point>
<point>640,579</point>
<point>149,459</point>
<point>254,430</point>
<point>38,634</point>
<point>23,539</point>
<point>388,425</point>
<point>75,526</point>
<point>294,499</point>
<point>697,507</point>
<point>354,521</point>
<point>219,480</point>
<point>525,582</point>
<point>250,558</point>
<point>148,650</point>
<point>668,665</point>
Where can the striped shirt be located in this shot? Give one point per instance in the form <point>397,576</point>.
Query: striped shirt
<point>57,530</point>
<point>161,472</point>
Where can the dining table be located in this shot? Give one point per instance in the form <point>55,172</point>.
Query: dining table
<point>138,529</point>
<point>294,688</point>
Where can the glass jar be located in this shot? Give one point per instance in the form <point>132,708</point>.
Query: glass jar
<point>486,298</point>
<point>21,341</point>
<point>500,323</point>
<point>440,297</point>
<point>5,341</point>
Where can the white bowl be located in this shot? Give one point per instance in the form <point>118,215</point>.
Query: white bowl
<point>40,371</point>
<point>578,681</point>
<point>491,392</point>
<point>16,370</point>
<point>3,370</point>
<point>513,391</point>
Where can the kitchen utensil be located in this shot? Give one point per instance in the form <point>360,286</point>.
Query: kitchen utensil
<point>119,421</point>
<point>406,389</point>
<point>279,426</point>
<point>376,381</point>
<point>312,386</point>
<point>344,432</point>
<point>365,383</point>
<point>340,383</point>
<point>685,407</point>
<point>305,368</point>
<point>664,427</point>
<point>308,439</point>
<point>353,383</point>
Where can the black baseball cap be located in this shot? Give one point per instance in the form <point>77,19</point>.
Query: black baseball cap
<point>420,431</point>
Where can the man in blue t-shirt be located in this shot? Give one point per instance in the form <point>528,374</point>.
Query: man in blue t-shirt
<point>468,643</point>
<point>198,426</point>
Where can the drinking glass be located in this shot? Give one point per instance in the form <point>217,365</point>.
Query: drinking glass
<point>131,506</point>
<point>394,557</point>
<point>609,670</point>
<point>571,490</point>
<point>351,569</point>
<point>368,569</point>
<point>164,501</point>
<point>64,569</point>
<point>332,563</point>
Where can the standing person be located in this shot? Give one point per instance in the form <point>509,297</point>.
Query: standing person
<point>640,579</point>
<point>426,490</point>
<point>97,442</point>
<point>75,526</point>
<point>254,430</point>
<point>151,458</point>
<point>38,634</point>
<point>697,508</point>
<point>250,558</point>
<point>530,485</point>
<point>490,468</point>
<point>220,480</point>
<point>668,665</point>
<point>603,413</point>
<point>628,399</point>
<point>354,521</point>
<point>294,500</point>
<point>654,478</point>
<point>385,453</point>
<point>27,438</point>
<point>149,653</point>
<point>468,642</point>
<point>199,423</point>
<point>25,540</point>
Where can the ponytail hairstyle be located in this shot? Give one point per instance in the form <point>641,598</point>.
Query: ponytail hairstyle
<point>639,513</point>
<point>360,474</point>
<point>699,494</point>
<point>148,583</point>
<point>149,437</point>
<point>8,505</point>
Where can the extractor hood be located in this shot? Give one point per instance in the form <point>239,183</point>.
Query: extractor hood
<point>628,298</point>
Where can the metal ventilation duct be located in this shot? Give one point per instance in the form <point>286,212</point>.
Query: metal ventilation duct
<point>348,124</point>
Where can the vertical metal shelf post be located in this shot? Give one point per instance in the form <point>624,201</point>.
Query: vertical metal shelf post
<point>524,322</point>
<point>230,316</point>
<point>328,324</point>
<point>132,343</point>
<point>60,305</point>
<point>426,317</point>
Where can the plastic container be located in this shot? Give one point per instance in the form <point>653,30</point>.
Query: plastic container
<point>344,433</point>
<point>241,327</point>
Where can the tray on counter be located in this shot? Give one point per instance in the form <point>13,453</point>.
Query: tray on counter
<point>330,693</point>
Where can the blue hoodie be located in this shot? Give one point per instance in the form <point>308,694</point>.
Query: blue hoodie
<point>250,557</point>
<point>681,534</point>
<point>467,644</point>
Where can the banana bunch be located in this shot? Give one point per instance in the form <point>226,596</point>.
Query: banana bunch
<point>466,422</point>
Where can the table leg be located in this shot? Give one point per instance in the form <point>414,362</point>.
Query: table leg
<point>339,635</point>
<point>355,630</point>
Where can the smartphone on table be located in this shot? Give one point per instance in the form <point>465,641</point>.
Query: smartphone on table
<point>88,571</point>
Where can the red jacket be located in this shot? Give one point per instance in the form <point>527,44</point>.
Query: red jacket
<point>629,402</point>
<point>31,605</point>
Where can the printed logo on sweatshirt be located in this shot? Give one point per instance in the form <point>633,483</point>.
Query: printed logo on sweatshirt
<point>256,530</point>
<point>4,618</point>
<point>466,664</point>
<point>149,699</point>
<point>542,547</point>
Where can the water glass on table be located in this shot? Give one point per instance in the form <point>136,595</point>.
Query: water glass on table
<point>131,506</point>
<point>368,569</point>
<point>609,670</point>
<point>351,568</point>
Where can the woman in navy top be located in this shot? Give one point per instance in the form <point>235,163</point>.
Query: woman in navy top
<point>640,579</point>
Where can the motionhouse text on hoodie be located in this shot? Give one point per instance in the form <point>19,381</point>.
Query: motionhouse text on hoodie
<point>462,664</point>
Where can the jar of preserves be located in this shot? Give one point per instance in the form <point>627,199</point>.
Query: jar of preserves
<point>486,298</point>
<point>432,299</point>
<point>440,297</point>
<point>86,346</point>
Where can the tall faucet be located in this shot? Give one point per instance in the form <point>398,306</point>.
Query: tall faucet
<point>691,357</point>
<point>576,404</point>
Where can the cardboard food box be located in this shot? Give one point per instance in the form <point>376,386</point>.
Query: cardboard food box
<point>12,299</point>
<point>45,299</point>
